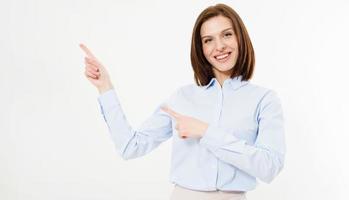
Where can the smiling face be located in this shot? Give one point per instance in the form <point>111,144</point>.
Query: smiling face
<point>220,46</point>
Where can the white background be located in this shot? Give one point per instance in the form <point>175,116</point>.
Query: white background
<point>55,145</point>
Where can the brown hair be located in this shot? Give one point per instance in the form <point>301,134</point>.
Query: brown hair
<point>244,66</point>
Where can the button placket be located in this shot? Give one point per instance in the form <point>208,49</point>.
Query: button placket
<point>219,105</point>
<point>214,165</point>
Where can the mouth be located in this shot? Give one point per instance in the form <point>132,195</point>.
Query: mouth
<point>222,57</point>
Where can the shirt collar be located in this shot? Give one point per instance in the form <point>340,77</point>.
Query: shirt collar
<point>235,83</point>
<point>210,83</point>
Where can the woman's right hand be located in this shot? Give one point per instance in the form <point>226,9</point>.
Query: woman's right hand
<point>95,72</point>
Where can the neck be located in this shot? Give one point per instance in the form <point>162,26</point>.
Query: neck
<point>222,76</point>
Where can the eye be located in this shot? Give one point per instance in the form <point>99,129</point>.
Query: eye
<point>207,40</point>
<point>228,34</point>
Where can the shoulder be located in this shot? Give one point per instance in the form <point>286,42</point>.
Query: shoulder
<point>251,87</point>
<point>260,90</point>
<point>189,88</point>
<point>187,92</point>
<point>261,94</point>
<point>181,91</point>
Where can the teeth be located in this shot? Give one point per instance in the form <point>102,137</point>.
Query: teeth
<point>222,56</point>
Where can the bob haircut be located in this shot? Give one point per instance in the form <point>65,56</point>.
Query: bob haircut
<point>244,66</point>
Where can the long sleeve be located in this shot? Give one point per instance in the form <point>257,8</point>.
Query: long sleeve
<point>132,143</point>
<point>265,158</point>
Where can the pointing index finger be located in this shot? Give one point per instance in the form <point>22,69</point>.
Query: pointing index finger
<point>87,51</point>
<point>170,111</point>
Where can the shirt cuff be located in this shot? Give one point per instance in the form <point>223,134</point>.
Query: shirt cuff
<point>107,100</point>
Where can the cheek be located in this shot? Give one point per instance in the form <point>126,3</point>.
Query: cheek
<point>235,47</point>
<point>234,44</point>
<point>207,51</point>
<point>236,51</point>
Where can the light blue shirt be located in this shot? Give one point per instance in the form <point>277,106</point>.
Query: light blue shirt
<point>244,140</point>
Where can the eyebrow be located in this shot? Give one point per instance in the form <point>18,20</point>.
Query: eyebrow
<point>221,32</point>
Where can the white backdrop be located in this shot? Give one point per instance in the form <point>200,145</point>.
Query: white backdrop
<point>55,145</point>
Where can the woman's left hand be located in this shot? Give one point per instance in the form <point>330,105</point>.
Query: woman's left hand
<point>187,126</point>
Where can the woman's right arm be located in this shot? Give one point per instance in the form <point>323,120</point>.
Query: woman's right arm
<point>129,143</point>
<point>132,143</point>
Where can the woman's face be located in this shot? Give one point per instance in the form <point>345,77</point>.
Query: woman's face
<point>219,44</point>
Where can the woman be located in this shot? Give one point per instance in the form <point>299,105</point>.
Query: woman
<point>226,131</point>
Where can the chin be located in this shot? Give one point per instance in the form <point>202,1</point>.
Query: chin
<point>224,68</point>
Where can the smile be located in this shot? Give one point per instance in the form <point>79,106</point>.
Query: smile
<point>222,57</point>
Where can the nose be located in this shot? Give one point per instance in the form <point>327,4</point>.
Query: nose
<point>220,45</point>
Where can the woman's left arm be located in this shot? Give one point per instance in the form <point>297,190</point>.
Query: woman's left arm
<point>265,158</point>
